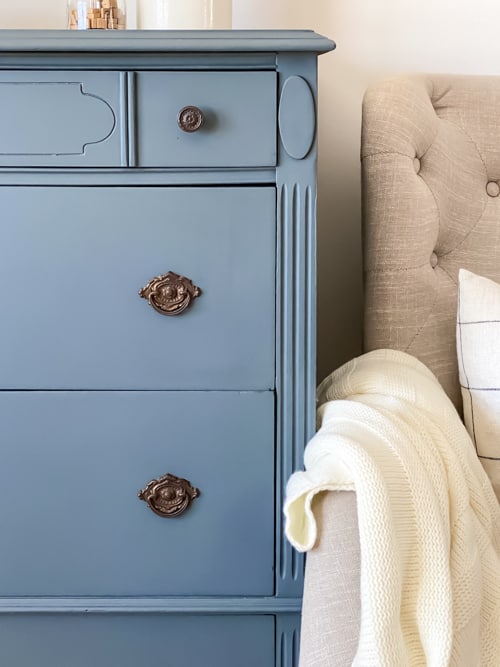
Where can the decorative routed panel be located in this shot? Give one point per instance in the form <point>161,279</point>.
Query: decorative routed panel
<point>71,118</point>
<point>296,211</point>
<point>287,641</point>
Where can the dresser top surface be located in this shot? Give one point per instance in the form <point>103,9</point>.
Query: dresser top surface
<point>163,41</point>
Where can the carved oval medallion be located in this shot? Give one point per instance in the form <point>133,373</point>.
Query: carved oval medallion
<point>297,117</point>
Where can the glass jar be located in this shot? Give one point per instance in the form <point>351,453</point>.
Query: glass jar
<point>184,14</point>
<point>96,14</point>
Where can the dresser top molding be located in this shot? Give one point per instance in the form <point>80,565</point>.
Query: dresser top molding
<point>163,41</point>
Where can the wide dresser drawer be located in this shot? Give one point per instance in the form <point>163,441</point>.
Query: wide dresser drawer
<point>206,119</point>
<point>61,119</point>
<point>72,264</point>
<point>28,640</point>
<point>73,464</point>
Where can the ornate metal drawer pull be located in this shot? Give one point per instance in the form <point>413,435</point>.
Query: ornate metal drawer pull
<point>169,495</point>
<point>170,294</point>
<point>190,119</point>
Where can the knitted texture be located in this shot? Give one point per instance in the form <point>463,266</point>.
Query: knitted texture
<point>429,521</point>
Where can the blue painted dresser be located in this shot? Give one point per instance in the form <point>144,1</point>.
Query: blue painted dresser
<point>157,347</point>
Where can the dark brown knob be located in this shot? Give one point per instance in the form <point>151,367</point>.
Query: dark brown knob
<point>169,495</point>
<point>170,294</point>
<point>190,119</point>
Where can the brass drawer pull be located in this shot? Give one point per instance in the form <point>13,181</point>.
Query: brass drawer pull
<point>169,495</point>
<point>170,294</point>
<point>190,119</point>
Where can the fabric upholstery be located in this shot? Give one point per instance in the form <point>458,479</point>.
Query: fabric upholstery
<point>431,183</point>
<point>478,349</point>
<point>431,173</point>
<point>429,522</point>
<point>331,605</point>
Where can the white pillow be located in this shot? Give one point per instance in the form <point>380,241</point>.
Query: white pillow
<point>478,349</point>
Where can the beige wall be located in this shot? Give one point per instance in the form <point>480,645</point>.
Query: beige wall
<point>33,14</point>
<point>373,39</point>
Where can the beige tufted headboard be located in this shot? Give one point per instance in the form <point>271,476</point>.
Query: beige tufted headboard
<point>431,173</point>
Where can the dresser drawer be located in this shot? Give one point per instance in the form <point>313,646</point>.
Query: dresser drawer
<point>238,112</point>
<point>72,262</point>
<point>132,640</point>
<point>57,119</point>
<point>73,464</point>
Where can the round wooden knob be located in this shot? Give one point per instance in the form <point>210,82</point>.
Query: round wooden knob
<point>190,119</point>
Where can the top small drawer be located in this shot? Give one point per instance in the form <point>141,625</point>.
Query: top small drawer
<point>238,115</point>
<point>62,119</point>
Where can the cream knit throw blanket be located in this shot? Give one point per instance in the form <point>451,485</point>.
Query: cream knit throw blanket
<point>429,521</point>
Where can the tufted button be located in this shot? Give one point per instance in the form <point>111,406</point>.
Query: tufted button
<point>434,260</point>
<point>493,189</point>
<point>416,165</point>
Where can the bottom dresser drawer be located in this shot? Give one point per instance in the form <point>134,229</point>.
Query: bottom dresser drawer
<point>146,640</point>
<point>72,466</point>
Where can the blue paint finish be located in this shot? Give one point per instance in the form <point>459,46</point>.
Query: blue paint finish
<point>240,119</point>
<point>287,641</point>
<point>73,463</point>
<point>297,117</point>
<point>152,605</point>
<point>80,255</point>
<point>61,119</point>
<point>222,395</point>
<point>162,41</point>
<point>296,322</point>
<point>137,641</point>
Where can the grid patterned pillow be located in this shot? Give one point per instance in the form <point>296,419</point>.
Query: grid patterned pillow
<point>478,349</point>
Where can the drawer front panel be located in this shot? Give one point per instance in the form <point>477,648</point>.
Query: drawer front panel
<point>61,119</point>
<point>73,464</point>
<point>72,261</point>
<point>239,111</point>
<point>28,640</point>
